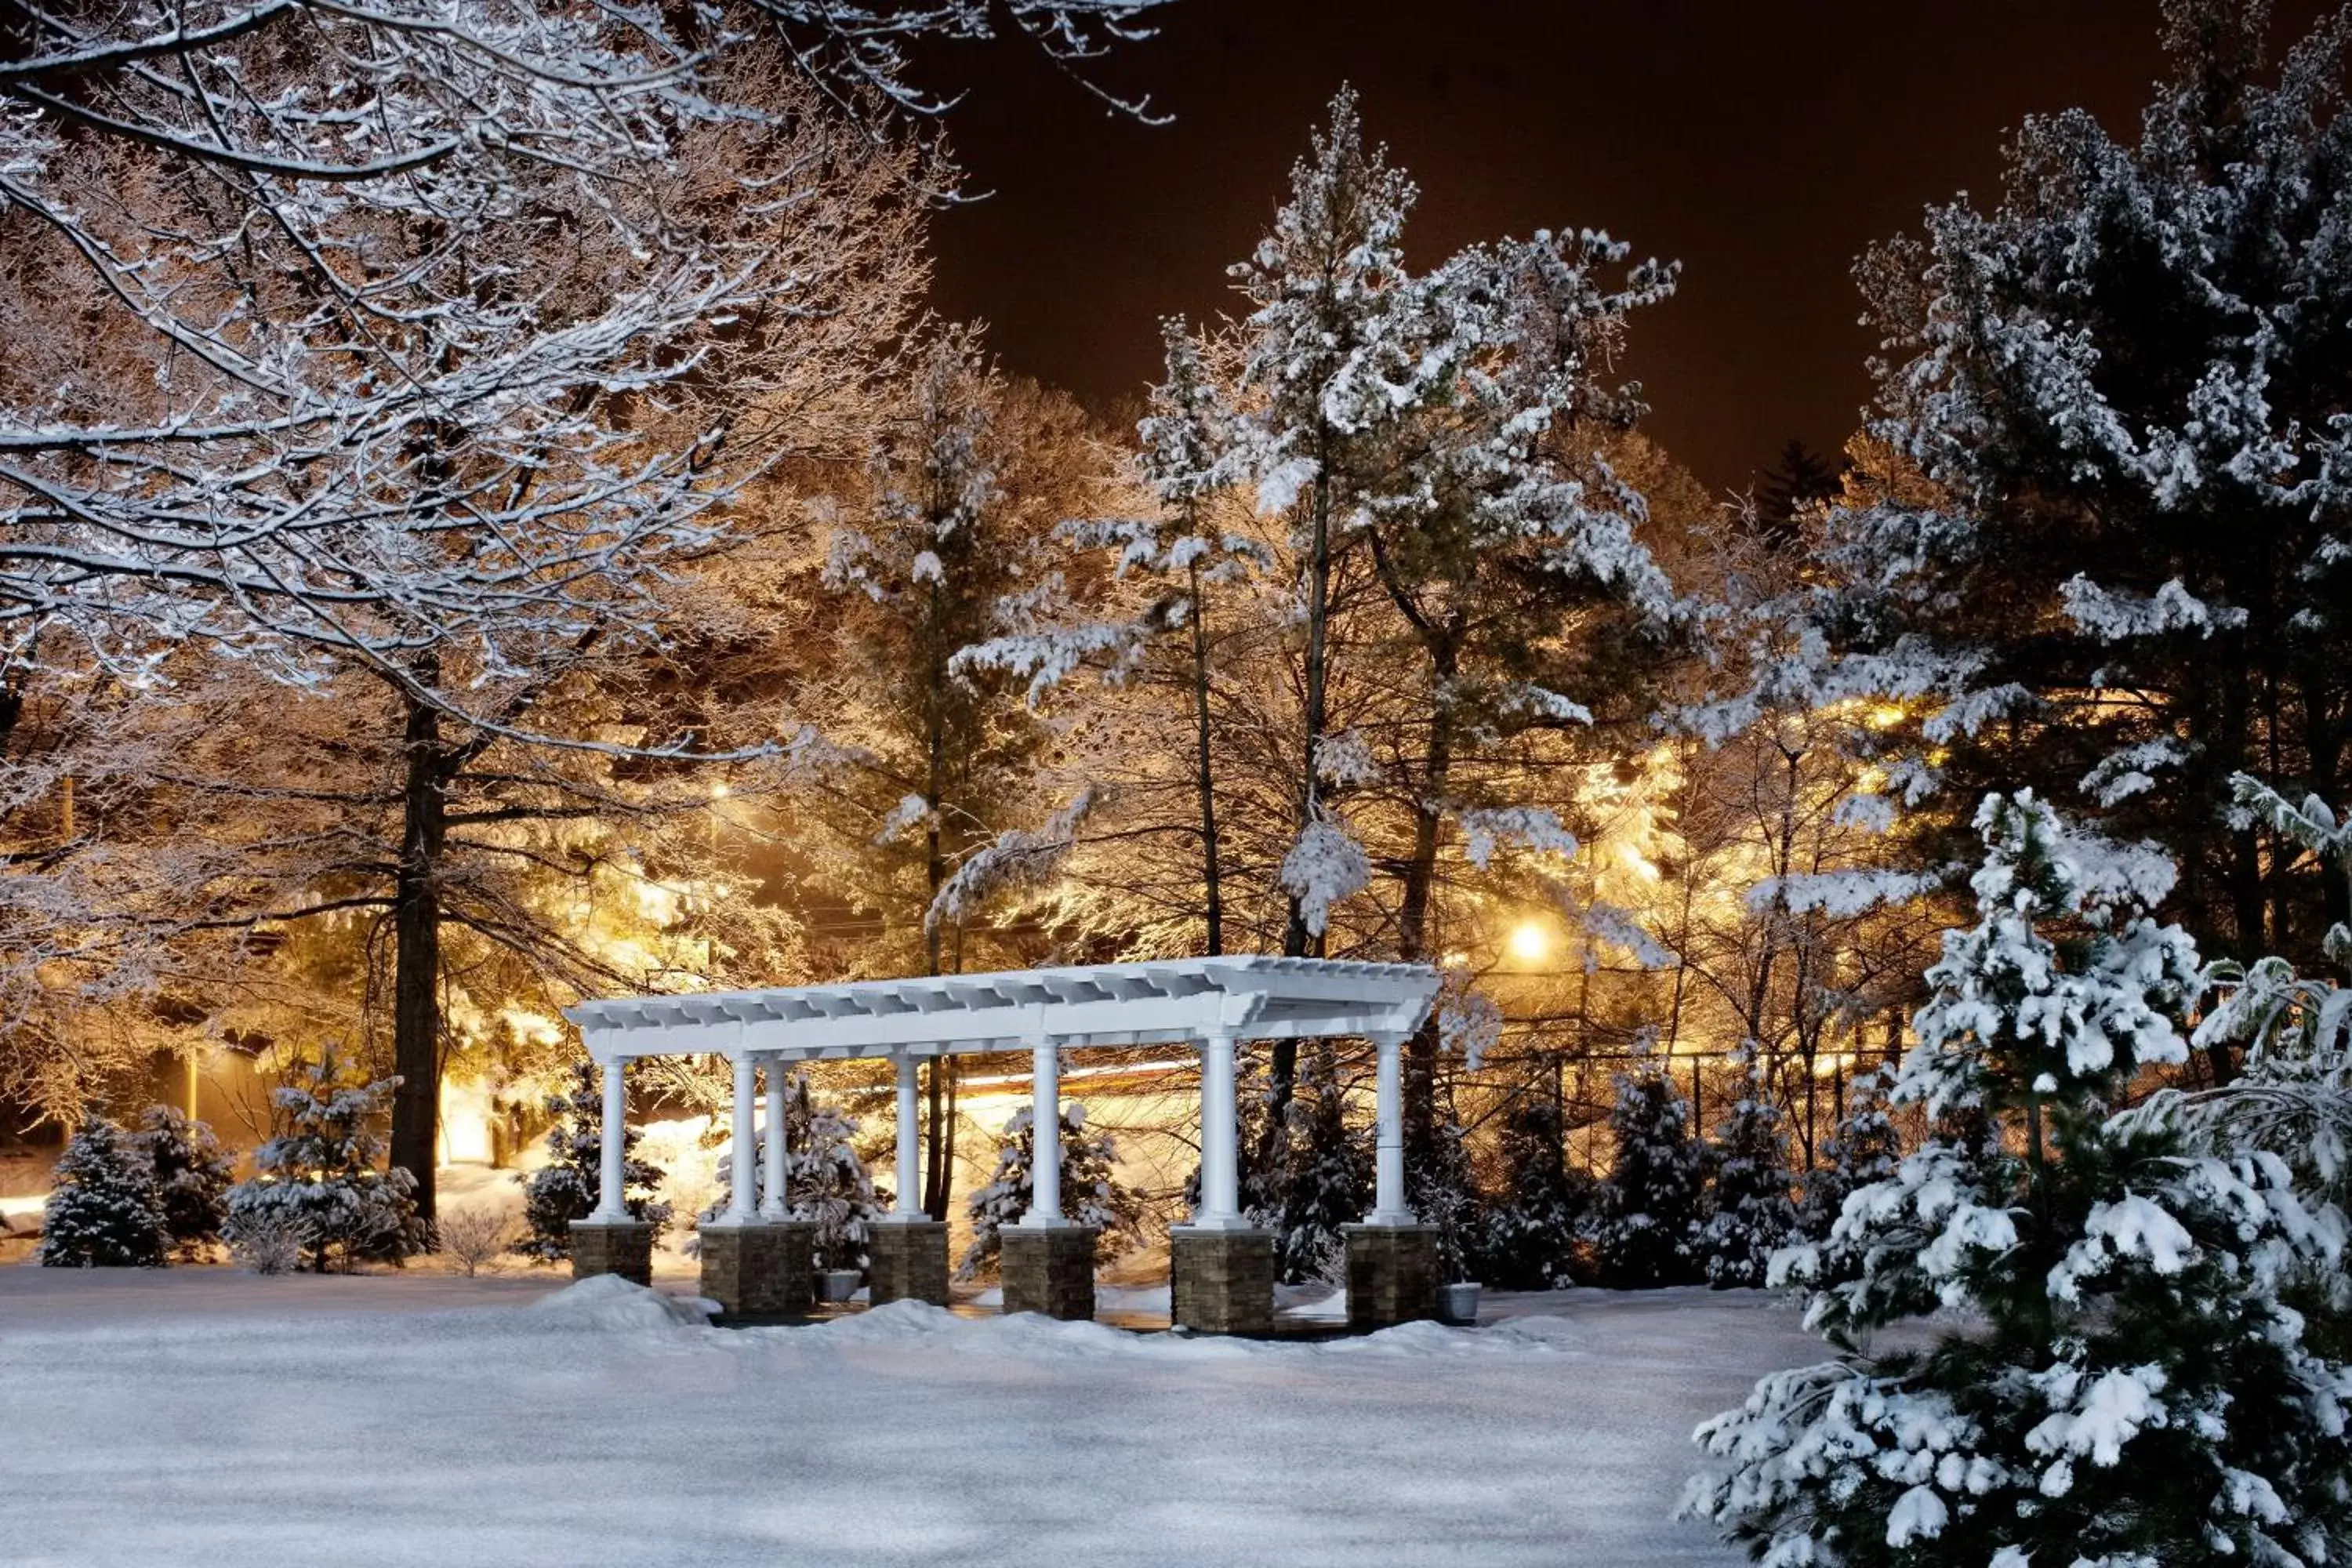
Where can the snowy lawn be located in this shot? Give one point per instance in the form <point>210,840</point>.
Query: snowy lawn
<point>206,1416</point>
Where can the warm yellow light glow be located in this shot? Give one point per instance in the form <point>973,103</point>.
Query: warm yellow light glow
<point>1530,943</point>
<point>720,790</point>
<point>1885,717</point>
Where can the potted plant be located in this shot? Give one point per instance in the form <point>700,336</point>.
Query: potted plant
<point>838,1284</point>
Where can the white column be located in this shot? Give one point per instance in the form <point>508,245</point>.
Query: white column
<point>775,1202</point>
<point>909,1205</point>
<point>1219,1138</point>
<point>740,1160</point>
<point>1388,1170</point>
<point>611,1207</point>
<point>1046,1119</point>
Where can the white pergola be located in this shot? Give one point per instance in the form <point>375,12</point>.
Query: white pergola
<point>1210,1002</point>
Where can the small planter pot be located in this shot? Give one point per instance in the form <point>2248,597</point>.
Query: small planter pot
<point>838,1284</point>
<point>1458,1303</point>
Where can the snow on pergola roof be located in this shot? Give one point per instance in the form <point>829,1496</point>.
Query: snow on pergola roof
<point>1251,997</point>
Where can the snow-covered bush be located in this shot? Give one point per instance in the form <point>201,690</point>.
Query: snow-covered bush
<point>1863,1148</point>
<point>1320,1177</point>
<point>471,1238</point>
<point>192,1176</point>
<point>320,1173</point>
<point>1647,1214</point>
<point>1091,1194</point>
<point>1749,1214</point>
<point>269,1243</point>
<point>1532,1223</point>
<point>103,1210</point>
<point>825,1183</point>
<point>2111,1379</point>
<point>569,1185</point>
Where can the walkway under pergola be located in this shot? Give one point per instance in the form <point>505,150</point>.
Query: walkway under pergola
<point>755,1260</point>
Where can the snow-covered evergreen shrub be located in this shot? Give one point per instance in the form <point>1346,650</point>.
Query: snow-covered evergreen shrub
<point>1749,1212</point>
<point>320,1177</point>
<point>192,1173</point>
<point>1646,1214</point>
<point>1091,1194</point>
<point>1320,1178</point>
<point>569,1185</point>
<point>2111,1379</point>
<point>827,1184</point>
<point>103,1210</point>
<point>1863,1148</point>
<point>1532,1224</point>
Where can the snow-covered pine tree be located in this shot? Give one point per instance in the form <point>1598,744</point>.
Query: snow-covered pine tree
<point>825,1183</point>
<point>2111,1378</point>
<point>948,551</point>
<point>2119,574</point>
<point>1151,635</point>
<point>1864,1147</point>
<point>102,1210</point>
<point>1091,1194</point>
<point>569,1185</point>
<point>1646,1214</point>
<point>192,1176</point>
<point>1320,1177</point>
<point>2294,1099</point>
<point>1325,358</point>
<point>1534,1220</point>
<point>319,1177</point>
<point>1749,1212</point>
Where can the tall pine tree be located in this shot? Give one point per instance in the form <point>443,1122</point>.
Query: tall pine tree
<point>1532,1221</point>
<point>2122,578</point>
<point>1646,1219</point>
<point>1749,1212</point>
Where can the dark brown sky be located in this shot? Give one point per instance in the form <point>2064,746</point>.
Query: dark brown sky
<point>1762,143</point>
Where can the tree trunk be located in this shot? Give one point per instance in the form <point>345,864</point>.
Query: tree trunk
<point>417,953</point>
<point>1414,918</point>
<point>1282,1064</point>
<point>1205,781</point>
<point>939,1170</point>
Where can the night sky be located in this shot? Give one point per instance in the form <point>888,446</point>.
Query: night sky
<point>1762,144</point>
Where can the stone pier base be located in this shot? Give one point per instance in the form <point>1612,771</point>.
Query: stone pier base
<point>1391,1274</point>
<point>758,1267</point>
<point>910,1261</point>
<point>625,1247</point>
<point>1049,1269</point>
<point>1221,1282</point>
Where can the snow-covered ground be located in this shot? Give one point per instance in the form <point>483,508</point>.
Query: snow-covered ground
<point>206,1416</point>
